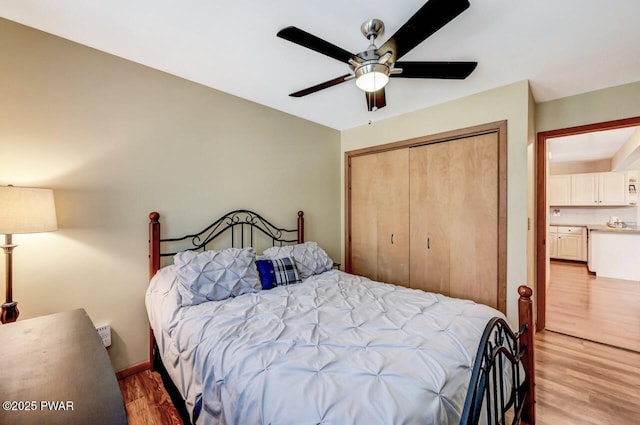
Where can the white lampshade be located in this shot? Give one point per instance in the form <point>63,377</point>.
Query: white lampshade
<point>372,77</point>
<point>26,210</point>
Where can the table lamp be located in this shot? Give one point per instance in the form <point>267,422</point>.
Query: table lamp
<point>22,210</point>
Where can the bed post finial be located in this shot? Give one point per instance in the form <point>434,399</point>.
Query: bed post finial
<point>525,315</point>
<point>300,226</point>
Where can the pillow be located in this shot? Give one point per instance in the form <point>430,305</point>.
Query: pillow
<point>278,272</point>
<point>310,259</point>
<point>215,275</point>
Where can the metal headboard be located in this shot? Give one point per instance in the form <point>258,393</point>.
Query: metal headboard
<point>247,221</point>
<point>242,225</point>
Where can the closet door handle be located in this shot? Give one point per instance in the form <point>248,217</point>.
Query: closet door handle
<point>428,243</point>
<point>392,239</point>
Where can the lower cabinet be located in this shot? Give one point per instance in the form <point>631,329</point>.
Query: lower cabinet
<point>568,242</point>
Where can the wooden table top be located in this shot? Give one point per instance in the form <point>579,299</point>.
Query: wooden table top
<point>55,370</point>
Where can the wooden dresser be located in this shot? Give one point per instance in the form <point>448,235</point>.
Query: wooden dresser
<point>55,370</point>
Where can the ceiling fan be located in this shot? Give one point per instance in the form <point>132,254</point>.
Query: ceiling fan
<point>372,68</point>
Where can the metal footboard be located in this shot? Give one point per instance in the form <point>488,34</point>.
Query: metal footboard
<point>499,382</point>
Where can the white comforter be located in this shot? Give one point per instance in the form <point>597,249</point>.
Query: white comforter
<point>334,349</point>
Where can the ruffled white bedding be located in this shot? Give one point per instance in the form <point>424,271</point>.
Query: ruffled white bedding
<point>334,349</point>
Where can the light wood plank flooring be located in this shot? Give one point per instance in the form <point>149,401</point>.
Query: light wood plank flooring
<point>595,308</point>
<point>578,382</point>
<point>584,382</point>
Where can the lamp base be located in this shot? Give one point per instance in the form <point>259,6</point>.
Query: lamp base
<point>9,312</point>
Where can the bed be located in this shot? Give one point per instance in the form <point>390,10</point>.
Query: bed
<point>328,348</point>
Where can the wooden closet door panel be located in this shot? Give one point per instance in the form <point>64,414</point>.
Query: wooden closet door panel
<point>474,218</point>
<point>364,216</point>
<point>392,183</point>
<point>429,217</point>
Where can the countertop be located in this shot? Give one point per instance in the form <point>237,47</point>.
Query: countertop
<point>605,228</point>
<point>601,227</point>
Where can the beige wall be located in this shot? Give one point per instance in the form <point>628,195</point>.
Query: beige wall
<point>531,198</point>
<point>511,103</point>
<point>597,106</point>
<point>116,140</point>
<point>577,167</point>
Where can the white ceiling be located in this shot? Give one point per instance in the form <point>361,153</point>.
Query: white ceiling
<point>562,47</point>
<point>589,146</point>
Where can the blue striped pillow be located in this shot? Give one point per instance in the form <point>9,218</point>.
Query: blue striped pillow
<point>278,272</point>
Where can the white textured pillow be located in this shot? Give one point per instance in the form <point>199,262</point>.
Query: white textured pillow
<point>309,257</point>
<point>216,275</point>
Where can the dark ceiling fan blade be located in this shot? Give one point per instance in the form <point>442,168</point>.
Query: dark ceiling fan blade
<point>430,18</point>
<point>321,86</point>
<point>443,70</point>
<point>376,100</point>
<point>310,41</point>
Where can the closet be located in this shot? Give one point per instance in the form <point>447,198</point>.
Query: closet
<point>430,213</point>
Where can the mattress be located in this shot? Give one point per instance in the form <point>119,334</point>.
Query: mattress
<point>334,349</point>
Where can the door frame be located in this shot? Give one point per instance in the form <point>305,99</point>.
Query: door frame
<point>541,202</point>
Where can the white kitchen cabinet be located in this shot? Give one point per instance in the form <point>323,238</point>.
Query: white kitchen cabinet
<point>568,243</point>
<point>584,189</point>
<point>612,189</point>
<point>598,189</point>
<point>553,241</point>
<point>559,190</point>
<point>570,246</point>
<point>589,189</point>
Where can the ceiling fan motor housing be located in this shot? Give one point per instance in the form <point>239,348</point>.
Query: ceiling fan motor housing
<point>372,28</point>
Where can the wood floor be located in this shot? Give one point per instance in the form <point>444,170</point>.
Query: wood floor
<point>146,401</point>
<point>584,382</point>
<point>578,382</point>
<point>595,308</point>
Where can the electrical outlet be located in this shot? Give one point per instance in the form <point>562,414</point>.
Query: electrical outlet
<point>105,334</point>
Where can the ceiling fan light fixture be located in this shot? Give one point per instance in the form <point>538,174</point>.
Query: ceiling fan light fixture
<point>372,77</point>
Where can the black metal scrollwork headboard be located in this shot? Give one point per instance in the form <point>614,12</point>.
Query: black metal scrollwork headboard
<point>241,225</point>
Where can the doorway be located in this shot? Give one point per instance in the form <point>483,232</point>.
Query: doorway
<point>543,266</point>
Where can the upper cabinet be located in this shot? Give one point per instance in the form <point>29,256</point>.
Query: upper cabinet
<point>612,189</point>
<point>560,190</point>
<point>598,189</point>
<point>588,189</point>
<point>584,189</point>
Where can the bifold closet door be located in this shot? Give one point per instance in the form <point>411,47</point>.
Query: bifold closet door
<point>392,182</point>
<point>429,178</point>
<point>379,228</point>
<point>474,219</point>
<point>454,218</point>
<point>364,216</point>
